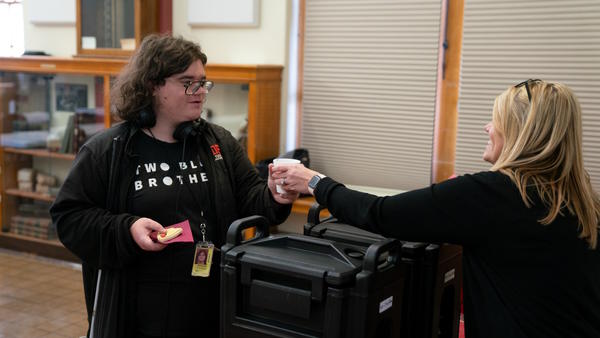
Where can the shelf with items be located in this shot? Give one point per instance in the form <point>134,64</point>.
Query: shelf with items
<point>25,211</point>
<point>26,224</point>
<point>40,153</point>
<point>29,194</point>
<point>47,106</point>
<point>250,92</point>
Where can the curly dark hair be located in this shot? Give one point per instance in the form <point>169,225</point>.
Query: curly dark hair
<point>159,57</point>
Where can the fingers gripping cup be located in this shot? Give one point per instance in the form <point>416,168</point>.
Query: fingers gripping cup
<point>283,162</point>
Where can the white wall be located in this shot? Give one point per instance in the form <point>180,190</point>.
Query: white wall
<point>54,39</point>
<point>265,44</point>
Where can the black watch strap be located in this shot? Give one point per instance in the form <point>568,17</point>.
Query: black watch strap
<point>312,184</point>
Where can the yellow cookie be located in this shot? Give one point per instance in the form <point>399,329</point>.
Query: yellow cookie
<point>171,233</point>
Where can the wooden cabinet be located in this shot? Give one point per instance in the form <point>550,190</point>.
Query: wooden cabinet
<point>46,90</point>
<point>264,101</point>
<point>39,96</point>
<point>114,28</point>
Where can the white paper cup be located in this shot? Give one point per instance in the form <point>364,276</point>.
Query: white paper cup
<point>283,162</point>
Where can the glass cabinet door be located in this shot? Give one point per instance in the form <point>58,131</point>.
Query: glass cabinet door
<point>113,28</point>
<point>107,24</point>
<point>227,106</point>
<point>45,119</point>
<point>41,111</point>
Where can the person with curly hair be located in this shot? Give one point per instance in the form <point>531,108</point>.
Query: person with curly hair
<point>163,165</point>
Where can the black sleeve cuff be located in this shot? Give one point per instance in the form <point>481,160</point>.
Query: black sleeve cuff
<point>324,188</point>
<point>280,211</point>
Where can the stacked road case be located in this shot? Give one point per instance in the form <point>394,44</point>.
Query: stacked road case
<point>301,286</point>
<point>432,277</point>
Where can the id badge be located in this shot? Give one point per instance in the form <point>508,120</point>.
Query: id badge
<point>202,259</point>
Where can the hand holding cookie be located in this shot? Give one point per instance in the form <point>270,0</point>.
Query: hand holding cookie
<point>179,232</point>
<point>141,232</point>
<point>169,234</point>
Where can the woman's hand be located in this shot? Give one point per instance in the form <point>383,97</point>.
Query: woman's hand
<point>140,231</point>
<point>293,178</point>
<point>287,197</point>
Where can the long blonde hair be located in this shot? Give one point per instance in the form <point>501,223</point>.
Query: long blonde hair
<point>543,149</point>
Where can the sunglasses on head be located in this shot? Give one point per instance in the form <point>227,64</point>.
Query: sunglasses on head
<point>527,83</point>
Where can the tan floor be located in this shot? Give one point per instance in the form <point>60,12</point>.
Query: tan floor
<point>40,297</point>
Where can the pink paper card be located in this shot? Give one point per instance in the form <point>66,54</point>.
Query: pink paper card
<point>186,233</point>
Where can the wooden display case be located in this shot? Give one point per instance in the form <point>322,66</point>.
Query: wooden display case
<point>114,28</point>
<point>262,91</point>
<point>264,103</point>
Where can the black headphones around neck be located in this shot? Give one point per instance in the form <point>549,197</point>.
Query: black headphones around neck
<point>187,129</point>
<point>147,119</point>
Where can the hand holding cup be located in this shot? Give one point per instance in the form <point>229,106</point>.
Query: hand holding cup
<point>283,162</point>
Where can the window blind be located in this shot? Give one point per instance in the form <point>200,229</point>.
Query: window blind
<point>369,87</point>
<point>506,42</point>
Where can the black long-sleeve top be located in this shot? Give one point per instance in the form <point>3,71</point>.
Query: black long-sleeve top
<point>93,216</point>
<point>521,278</point>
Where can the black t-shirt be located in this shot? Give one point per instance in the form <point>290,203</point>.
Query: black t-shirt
<point>521,278</point>
<point>172,185</point>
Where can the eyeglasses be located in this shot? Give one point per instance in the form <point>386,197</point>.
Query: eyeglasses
<point>192,87</point>
<point>527,83</point>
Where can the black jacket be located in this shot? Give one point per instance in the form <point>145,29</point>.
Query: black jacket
<point>521,278</point>
<point>91,218</point>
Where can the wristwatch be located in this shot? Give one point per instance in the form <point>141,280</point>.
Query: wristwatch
<point>312,184</point>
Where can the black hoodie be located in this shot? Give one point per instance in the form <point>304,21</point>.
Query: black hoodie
<point>91,217</point>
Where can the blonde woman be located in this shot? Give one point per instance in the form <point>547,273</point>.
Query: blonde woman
<point>528,227</point>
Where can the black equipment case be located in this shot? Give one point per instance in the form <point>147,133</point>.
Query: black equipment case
<point>289,285</point>
<point>432,277</point>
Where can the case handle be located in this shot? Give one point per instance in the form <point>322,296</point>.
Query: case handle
<point>234,233</point>
<point>375,250</point>
<point>314,213</point>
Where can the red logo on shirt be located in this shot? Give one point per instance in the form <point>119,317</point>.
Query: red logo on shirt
<point>216,150</point>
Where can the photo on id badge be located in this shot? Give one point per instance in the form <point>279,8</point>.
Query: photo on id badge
<point>202,260</point>
<point>201,256</point>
